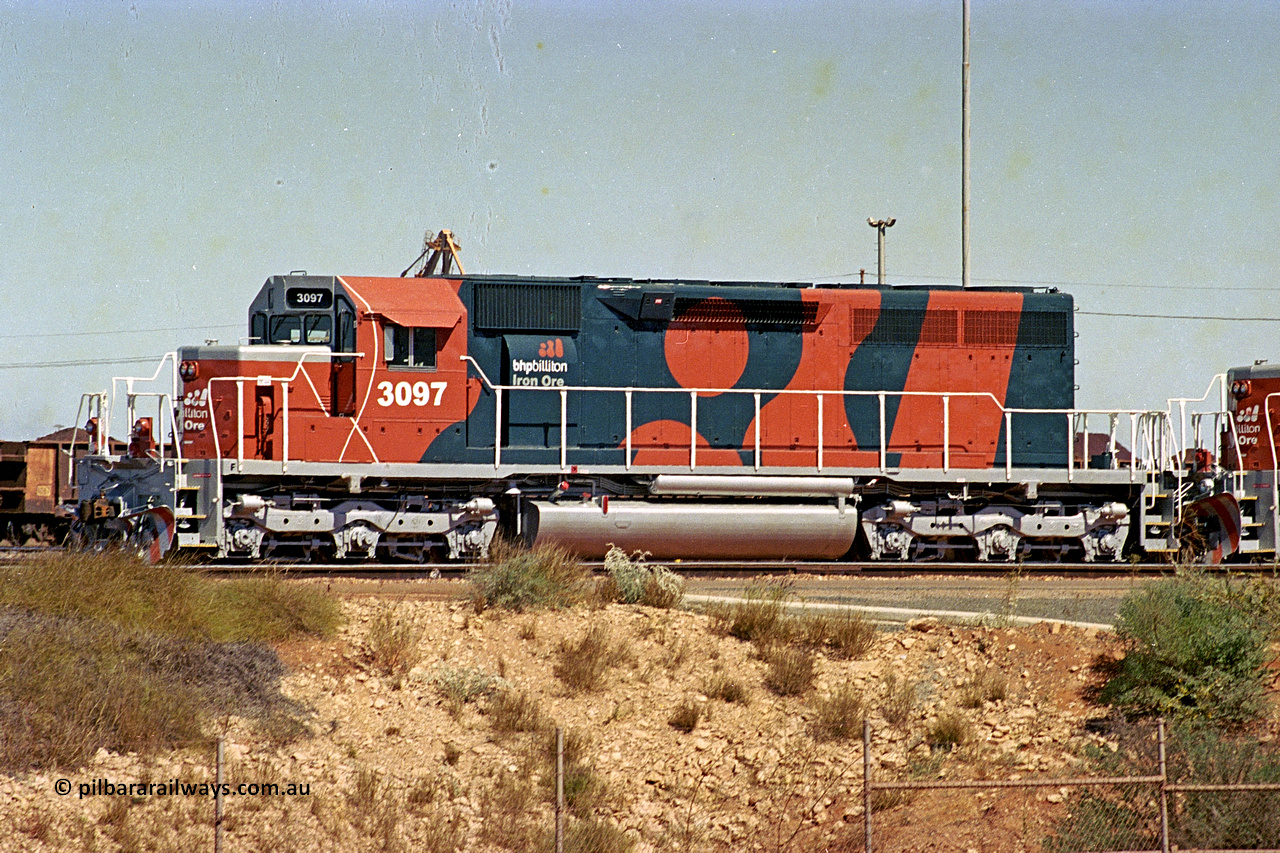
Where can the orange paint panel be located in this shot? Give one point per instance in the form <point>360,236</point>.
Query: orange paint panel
<point>789,422</point>
<point>700,357</point>
<point>399,412</point>
<point>980,366</point>
<point>667,443</point>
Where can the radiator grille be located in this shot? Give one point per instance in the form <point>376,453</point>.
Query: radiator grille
<point>528,307</point>
<point>770,313</point>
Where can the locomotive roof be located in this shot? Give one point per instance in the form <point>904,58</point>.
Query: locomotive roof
<point>618,281</point>
<point>612,281</point>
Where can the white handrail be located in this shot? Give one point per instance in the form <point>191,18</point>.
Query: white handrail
<point>285,382</point>
<point>1144,418</point>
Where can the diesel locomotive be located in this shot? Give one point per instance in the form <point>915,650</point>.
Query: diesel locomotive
<point>418,417</point>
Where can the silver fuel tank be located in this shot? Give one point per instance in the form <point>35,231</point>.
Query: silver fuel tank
<point>694,530</point>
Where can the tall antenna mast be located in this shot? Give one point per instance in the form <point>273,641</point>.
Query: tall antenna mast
<point>964,156</point>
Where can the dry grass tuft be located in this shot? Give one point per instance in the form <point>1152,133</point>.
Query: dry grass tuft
<point>393,645</point>
<point>948,731</point>
<point>515,711</point>
<point>593,835</point>
<point>582,664</point>
<point>518,579</point>
<point>899,700</point>
<point>685,717</point>
<point>846,635</point>
<point>840,715</point>
<point>727,689</point>
<point>758,619</point>
<point>990,685</point>
<point>790,672</point>
<point>103,650</point>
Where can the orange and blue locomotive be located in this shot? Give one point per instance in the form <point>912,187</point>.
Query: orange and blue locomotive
<point>418,417</point>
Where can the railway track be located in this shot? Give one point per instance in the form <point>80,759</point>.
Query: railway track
<point>704,568</point>
<point>738,570</point>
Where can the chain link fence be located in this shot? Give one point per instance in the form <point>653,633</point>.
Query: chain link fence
<point>1163,811</point>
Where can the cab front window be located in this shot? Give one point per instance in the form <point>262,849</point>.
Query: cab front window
<point>300,329</point>
<point>319,328</point>
<point>284,329</point>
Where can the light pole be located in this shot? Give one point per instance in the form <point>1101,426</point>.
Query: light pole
<point>880,225</point>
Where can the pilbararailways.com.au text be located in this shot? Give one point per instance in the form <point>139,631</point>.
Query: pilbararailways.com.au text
<point>177,788</point>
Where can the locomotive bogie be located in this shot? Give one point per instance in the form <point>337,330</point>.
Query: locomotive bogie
<point>903,530</point>
<point>260,527</point>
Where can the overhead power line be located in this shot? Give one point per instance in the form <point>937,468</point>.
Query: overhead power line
<point>1180,317</point>
<point>123,331</point>
<point>153,359</point>
<point>906,277</point>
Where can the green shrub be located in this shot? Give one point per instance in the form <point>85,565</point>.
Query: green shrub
<point>462,684</point>
<point>1124,817</point>
<point>168,598</point>
<point>268,609</point>
<point>516,579</point>
<point>637,582</point>
<point>1191,651</point>
<point>104,650</point>
<point>584,789</point>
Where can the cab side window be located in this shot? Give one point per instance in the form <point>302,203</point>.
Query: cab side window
<point>410,347</point>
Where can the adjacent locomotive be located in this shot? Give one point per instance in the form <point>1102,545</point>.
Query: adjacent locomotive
<point>416,418</point>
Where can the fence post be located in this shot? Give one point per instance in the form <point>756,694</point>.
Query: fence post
<point>1164,782</point>
<point>559,790</point>
<point>217,798</point>
<point>866,784</point>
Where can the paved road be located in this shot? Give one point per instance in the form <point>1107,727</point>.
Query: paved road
<point>1088,600</point>
<point>1070,599</point>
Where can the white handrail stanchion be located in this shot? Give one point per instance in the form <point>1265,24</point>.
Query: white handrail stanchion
<point>284,456</point>
<point>946,433</point>
<point>1008,445</point>
<point>1071,447</point>
<point>693,430</point>
<point>240,426</point>
<point>756,395</point>
<point>628,394</point>
<point>564,428</point>
<point>884,456</point>
<point>819,432</point>
<point>497,427</point>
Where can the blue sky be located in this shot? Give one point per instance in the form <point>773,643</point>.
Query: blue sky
<point>162,159</point>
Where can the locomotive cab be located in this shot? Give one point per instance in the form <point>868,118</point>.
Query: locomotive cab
<point>326,357</point>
